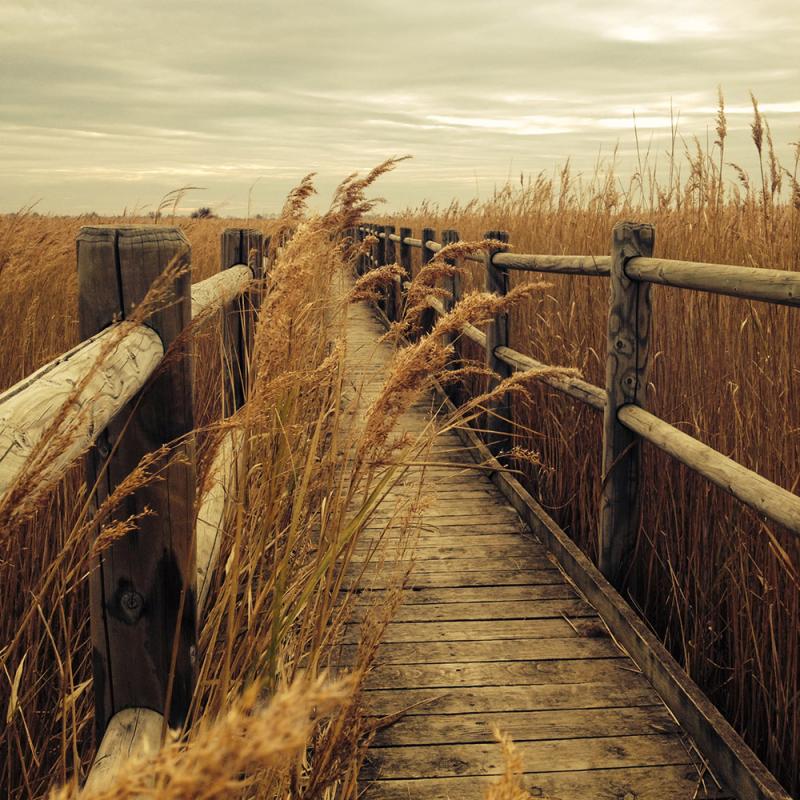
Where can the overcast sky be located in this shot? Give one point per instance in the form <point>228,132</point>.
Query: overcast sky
<point>107,105</point>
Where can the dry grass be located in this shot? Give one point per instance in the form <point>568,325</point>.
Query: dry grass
<point>264,720</point>
<point>719,584</point>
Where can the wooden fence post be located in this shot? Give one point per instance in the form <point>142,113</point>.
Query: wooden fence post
<point>142,590</point>
<point>239,246</point>
<point>380,260</point>
<point>450,236</point>
<point>498,418</point>
<point>389,258</point>
<point>406,263</point>
<point>359,241</point>
<point>428,319</point>
<point>626,366</point>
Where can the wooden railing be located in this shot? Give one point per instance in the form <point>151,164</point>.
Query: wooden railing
<point>119,392</point>
<point>631,269</point>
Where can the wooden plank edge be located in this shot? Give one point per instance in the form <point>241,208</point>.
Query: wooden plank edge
<point>729,756</point>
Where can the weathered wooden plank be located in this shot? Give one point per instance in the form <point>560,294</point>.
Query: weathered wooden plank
<point>455,611</point>
<point>626,375</point>
<point>527,726</point>
<point>487,651</point>
<point>627,689</point>
<point>463,564</point>
<point>728,755</point>
<point>552,627</point>
<point>557,756</point>
<point>478,578</point>
<point>428,554</point>
<point>495,673</point>
<point>423,539</point>
<point>467,525</point>
<point>676,782</point>
<point>143,589</point>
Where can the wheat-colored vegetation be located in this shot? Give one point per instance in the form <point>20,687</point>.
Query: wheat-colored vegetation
<point>267,719</point>
<point>269,716</point>
<point>720,585</point>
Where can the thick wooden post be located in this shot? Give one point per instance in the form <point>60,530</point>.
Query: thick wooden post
<point>428,319</point>
<point>143,617</point>
<point>450,236</point>
<point>389,258</point>
<point>498,418</point>
<point>406,263</point>
<point>626,367</point>
<point>239,246</point>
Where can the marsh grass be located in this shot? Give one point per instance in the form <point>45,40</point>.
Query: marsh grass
<point>267,719</point>
<point>718,583</point>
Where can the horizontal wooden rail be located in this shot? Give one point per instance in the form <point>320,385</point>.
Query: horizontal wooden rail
<point>567,265</point>
<point>781,287</point>
<point>131,733</point>
<point>96,378</point>
<point>751,488</point>
<point>576,388</point>
<point>218,290</point>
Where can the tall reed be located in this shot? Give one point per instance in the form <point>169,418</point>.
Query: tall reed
<point>719,584</point>
<point>277,604</point>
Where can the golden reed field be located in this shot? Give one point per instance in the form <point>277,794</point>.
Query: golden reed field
<point>720,586</point>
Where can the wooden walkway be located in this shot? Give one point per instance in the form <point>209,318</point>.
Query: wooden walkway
<point>492,633</point>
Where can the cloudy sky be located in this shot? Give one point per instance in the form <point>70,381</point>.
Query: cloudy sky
<point>107,105</point>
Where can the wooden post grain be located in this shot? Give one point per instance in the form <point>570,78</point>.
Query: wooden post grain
<point>389,258</point>
<point>498,418</point>
<point>428,319</point>
<point>239,246</point>
<point>450,236</point>
<point>404,259</point>
<point>380,260</point>
<point>626,367</point>
<point>143,617</point>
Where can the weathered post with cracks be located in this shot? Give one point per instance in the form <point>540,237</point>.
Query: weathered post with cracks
<point>405,262</point>
<point>428,319</point>
<point>243,246</point>
<point>498,418</point>
<point>143,615</point>
<point>626,375</point>
<point>450,236</point>
<point>390,295</point>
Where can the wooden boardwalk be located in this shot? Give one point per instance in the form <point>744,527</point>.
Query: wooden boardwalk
<point>492,633</point>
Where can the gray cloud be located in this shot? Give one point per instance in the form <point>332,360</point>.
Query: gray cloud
<point>110,105</point>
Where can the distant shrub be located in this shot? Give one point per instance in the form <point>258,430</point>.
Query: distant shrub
<point>203,213</point>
